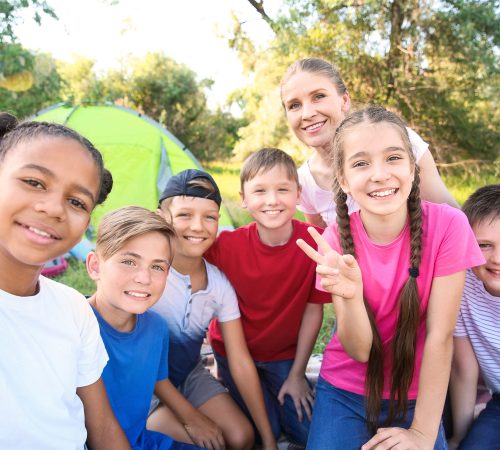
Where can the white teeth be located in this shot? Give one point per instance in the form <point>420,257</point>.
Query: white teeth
<point>194,239</point>
<point>137,294</point>
<point>39,232</point>
<point>314,127</point>
<point>383,193</point>
<point>272,213</point>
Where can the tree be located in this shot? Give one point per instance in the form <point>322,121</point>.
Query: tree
<point>433,61</point>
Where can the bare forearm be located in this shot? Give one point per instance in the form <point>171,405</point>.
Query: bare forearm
<point>353,327</point>
<point>463,391</point>
<point>434,376</point>
<point>246,378</point>
<point>109,437</point>
<point>308,333</point>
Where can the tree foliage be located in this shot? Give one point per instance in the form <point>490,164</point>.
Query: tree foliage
<point>435,62</point>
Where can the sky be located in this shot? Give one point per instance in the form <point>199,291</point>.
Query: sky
<point>189,31</point>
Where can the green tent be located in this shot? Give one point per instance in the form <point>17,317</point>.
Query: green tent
<point>140,153</point>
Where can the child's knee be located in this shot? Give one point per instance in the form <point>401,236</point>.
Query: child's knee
<point>240,437</point>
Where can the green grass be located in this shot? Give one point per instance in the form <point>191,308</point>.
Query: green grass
<point>226,175</point>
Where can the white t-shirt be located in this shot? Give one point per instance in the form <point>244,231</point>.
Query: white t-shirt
<point>478,321</point>
<point>315,200</point>
<point>49,345</point>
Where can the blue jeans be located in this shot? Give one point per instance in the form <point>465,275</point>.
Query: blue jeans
<point>339,423</point>
<point>485,431</point>
<point>272,375</point>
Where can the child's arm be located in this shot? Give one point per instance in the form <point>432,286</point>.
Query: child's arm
<point>341,276</point>
<point>246,378</point>
<point>432,187</point>
<point>463,388</point>
<point>296,385</point>
<point>442,312</point>
<point>103,430</point>
<point>202,431</point>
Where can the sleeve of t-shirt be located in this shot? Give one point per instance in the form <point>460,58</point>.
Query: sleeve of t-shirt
<point>331,237</point>
<point>458,249</point>
<point>418,145</point>
<point>92,356</point>
<point>228,303</point>
<point>163,369</point>
<point>305,205</point>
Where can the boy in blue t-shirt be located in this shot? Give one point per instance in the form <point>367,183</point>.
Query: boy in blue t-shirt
<point>130,267</point>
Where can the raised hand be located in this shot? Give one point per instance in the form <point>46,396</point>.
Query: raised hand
<point>340,274</point>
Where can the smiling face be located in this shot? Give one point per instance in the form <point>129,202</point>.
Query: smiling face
<point>46,203</point>
<point>377,170</point>
<point>133,279</point>
<point>487,233</point>
<point>271,198</point>
<point>196,222</point>
<point>314,108</point>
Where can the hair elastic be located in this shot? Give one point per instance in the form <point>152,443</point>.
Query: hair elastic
<point>413,271</point>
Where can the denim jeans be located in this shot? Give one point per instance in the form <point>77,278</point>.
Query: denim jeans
<point>272,375</point>
<point>485,431</point>
<point>339,423</point>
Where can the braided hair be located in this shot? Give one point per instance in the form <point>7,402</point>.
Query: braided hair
<point>12,133</point>
<point>404,341</point>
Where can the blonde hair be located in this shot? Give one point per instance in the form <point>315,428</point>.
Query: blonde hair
<point>119,226</point>
<point>266,159</point>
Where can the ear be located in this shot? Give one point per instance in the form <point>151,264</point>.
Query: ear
<point>346,102</point>
<point>343,184</point>
<point>299,193</point>
<point>243,202</point>
<point>93,266</point>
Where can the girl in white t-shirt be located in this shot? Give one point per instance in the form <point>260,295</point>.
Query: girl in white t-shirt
<point>316,100</point>
<point>51,354</point>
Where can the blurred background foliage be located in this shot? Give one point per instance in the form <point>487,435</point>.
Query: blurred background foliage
<point>435,62</point>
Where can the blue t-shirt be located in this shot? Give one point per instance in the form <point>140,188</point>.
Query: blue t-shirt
<point>137,360</point>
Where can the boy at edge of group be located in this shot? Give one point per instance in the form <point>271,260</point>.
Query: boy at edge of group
<point>281,310</point>
<point>477,336</point>
<point>195,293</point>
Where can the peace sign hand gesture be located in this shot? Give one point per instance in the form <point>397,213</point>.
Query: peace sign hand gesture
<point>340,274</point>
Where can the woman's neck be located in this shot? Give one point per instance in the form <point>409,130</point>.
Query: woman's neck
<point>120,320</point>
<point>320,168</point>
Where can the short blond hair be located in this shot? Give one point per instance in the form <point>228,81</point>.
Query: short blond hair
<point>119,226</point>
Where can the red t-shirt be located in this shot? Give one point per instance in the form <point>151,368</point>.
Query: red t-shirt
<point>273,285</point>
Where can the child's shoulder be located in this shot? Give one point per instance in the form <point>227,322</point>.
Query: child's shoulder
<point>61,293</point>
<point>238,235</point>
<point>443,216</point>
<point>154,320</point>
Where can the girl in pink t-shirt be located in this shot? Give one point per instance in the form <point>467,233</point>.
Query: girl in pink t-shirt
<point>395,270</point>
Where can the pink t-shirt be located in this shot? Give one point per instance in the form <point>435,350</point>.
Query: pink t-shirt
<point>448,246</point>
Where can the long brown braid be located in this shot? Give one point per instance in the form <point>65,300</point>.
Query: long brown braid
<point>404,341</point>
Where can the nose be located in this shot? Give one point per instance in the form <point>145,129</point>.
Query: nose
<point>142,275</point>
<point>53,205</point>
<point>495,255</point>
<point>196,223</point>
<point>308,110</point>
<point>379,172</point>
<point>271,198</point>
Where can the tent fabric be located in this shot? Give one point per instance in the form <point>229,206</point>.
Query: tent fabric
<point>140,153</point>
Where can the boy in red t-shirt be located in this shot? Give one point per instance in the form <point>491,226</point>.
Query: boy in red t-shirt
<point>281,310</point>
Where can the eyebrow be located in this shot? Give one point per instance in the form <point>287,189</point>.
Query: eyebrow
<point>309,93</point>
<point>83,190</point>
<point>137,256</point>
<point>386,150</point>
